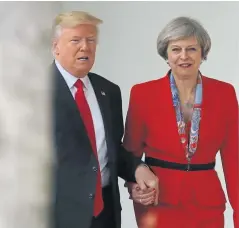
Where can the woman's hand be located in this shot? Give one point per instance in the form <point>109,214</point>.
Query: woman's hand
<point>144,197</point>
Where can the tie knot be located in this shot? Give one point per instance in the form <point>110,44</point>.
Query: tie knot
<point>79,84</point>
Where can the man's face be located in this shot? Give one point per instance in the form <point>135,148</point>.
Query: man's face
<point>75,49</point>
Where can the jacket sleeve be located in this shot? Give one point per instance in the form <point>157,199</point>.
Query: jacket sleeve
<point>127,162</point>
<point>134,127</point>
<point>230,153</point>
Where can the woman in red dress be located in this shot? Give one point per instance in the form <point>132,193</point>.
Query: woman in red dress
<point>180,122</point>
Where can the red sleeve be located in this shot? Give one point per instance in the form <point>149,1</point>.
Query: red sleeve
<point>134,127</point>
<point>230,153</point>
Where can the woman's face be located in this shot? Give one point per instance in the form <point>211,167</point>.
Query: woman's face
<point>184,57</point>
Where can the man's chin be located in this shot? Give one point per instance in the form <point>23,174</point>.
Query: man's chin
<point>82,71</point>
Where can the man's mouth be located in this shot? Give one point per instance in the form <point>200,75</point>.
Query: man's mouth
<point>83,58</point>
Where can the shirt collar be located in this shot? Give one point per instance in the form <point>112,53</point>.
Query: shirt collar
<point>70,79</point>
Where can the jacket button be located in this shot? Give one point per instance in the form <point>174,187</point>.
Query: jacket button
<point>94,169</point>
<point>91,196</point>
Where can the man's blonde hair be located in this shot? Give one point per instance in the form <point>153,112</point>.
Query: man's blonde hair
<point>72,19</point>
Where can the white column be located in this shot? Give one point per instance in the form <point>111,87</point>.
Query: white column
<point>26,154</point>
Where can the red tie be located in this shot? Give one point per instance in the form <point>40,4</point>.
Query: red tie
<point>88,122</point>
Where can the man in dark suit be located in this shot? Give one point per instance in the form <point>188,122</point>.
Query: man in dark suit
<point>88,128</point>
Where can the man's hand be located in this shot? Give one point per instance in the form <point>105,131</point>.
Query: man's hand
<point>145,178</point>
<point>146,197</point>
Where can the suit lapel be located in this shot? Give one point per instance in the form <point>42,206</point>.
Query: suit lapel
<point>207,115</point>
<point>67,115</point>
<point>104,104</point>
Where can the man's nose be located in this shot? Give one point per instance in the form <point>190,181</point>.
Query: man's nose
<point>84,45</point>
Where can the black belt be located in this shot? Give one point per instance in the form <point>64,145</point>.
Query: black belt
<point>184,167</point>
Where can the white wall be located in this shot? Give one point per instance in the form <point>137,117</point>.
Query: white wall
<point>127,50</point>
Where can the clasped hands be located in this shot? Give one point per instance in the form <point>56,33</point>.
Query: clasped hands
<point>145,197</point>
<point>145,191</point>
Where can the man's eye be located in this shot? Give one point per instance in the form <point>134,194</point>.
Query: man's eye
<point>74,41</point>
<point>91,40</point>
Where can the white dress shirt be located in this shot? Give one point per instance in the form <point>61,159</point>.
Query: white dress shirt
<point>97,119</point>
